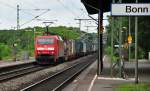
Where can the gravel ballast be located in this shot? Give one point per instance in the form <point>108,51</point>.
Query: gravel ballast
<point>22,82</point>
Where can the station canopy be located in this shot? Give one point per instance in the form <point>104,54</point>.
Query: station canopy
<point>93,6</point>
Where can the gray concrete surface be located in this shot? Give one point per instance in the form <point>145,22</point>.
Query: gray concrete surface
<point>89,81</point>
<point>4,63</point>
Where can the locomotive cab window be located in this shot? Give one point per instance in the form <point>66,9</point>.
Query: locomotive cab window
<point>45,41</point>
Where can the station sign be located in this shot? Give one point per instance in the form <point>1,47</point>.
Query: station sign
<point>124,9</point>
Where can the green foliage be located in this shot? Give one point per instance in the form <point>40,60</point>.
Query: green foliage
<point>143,33</point>
<point>69,33</point>
<point>4,50</point>
<point>108,52</point>
<point>62,31</point>
<point>133,87</point>
<point>24,38</point>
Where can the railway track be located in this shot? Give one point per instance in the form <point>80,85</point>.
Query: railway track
<point>60,79</point>
<point>14,67</point>
<point>13,72</point>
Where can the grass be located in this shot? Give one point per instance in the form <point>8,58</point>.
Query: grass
<point>133,87</point>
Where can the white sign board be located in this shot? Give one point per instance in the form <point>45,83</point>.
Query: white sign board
<point>130,9</point>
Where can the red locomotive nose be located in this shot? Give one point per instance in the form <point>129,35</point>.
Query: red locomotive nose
<point>45,45</point>
<point>50,48</point>
<point>45,50</point>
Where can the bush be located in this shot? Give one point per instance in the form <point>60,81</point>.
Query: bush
<point>5,51</point>
<point>108,52</point>
<point>141,53</point>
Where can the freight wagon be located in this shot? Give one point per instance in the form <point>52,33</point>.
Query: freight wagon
<point>52,49</point>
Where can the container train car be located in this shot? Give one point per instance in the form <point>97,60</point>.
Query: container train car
<point>52,49</point>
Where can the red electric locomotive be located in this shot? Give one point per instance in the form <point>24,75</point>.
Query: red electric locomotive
<point>49,49</point>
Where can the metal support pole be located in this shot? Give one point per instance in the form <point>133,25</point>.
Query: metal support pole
<point>120,49</point>
<point>129,35</point>
<point>101,48</point>
<point>100,39</point>
<point>80,25</point>
<point>120,45</point>
<point>17,17</point>
<point>112,43</point>
<point>101,34</point>
<point>87,29</point>
<point>47,25</point>
<point>136,42</point>
<point>34,30</point>
<point>34,33</point>
<point>98,61</point>
<point>14,47</point>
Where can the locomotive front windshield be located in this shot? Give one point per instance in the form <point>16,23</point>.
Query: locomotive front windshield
<point>45,41</point>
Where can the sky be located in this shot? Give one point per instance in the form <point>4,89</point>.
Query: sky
<point>62,12</point>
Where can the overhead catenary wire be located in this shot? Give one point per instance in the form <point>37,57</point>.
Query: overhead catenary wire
<point>34,10</point>
<point>83,12</point>
<point>22,10</point>
<point>7,5</point>
<point>74,13</point>
<point>90,6</point>
<point>12,7</point>
<point>77,8</point>
<point>31,4</point>
<point>34,18</point>
<point>68,9</point>
<point>71,11</point>
<point>95,20</point>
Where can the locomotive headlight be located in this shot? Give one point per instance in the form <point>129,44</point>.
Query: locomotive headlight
<point>51,49</point>
<point>40,48</point>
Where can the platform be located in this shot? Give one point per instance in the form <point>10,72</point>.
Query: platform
<point>4,63</point>
<point>89,81</point>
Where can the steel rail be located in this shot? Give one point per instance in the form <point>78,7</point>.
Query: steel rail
<point>62,85</point>
<point>77,68</point>
<point>18,73</point>
<point>14,67</point>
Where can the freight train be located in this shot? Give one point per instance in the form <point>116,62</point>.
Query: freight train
<point>52,49</point>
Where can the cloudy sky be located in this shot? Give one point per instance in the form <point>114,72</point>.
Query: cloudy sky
<point>64,11</point>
